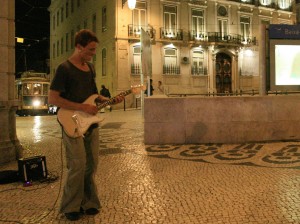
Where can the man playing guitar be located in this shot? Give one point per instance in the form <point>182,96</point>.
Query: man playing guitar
<point>74,82</point>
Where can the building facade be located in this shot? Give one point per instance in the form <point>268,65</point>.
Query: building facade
<point>197,46</point>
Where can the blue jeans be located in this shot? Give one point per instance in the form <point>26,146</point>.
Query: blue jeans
<point>80,189</point>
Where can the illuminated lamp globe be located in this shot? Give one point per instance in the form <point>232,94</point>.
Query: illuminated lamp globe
<point>131,4</point>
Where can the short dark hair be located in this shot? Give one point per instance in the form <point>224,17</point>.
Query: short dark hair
<point>84,37</point>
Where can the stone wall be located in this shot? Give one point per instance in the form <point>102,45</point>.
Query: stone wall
<point>234,119</point>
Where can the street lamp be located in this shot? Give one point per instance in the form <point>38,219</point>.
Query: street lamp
<point>20,40</point>
<point>131,3</point>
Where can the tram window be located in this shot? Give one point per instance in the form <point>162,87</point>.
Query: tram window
<point>27,89</point>
<point>37,89</point>
<point>18,92</point>
<point>45,89</point>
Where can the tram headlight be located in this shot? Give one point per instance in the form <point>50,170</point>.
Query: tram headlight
<point>36,103</point>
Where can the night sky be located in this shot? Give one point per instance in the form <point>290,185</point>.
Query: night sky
<point>32,21</point>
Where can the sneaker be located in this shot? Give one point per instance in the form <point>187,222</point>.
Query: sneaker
<point>72,216</point>
<point>91,211</point>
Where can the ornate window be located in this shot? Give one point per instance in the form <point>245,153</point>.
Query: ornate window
<point>170,20</point>
<point>265,2</point>
<point>245,27</point>
<point>67,42</point>
<point>170,61</point>
<point>198,62</point>
<point>62,46</point>
<point>72,38</point>
<point>104,62</point>
<point>104,28</point>
<point>94,27</point>
<point>284,4</point>
<point>223,27</point>
<point>197,23</point>
<point>136,62</point>
<point>139,16</point>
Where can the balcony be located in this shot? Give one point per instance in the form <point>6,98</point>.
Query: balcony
<point>171,34</point>
<point>251,2</point>
<point>134,31</point>
<point>195,71</point>
<point>135,69</point>
<point>169,69</point>
<point>221,38</point>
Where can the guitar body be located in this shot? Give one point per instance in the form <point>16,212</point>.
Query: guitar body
<point>76,123</point>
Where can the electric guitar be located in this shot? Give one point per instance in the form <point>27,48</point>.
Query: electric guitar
<point>76,123</point>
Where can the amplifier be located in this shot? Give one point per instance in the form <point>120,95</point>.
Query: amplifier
<point>32,168</point>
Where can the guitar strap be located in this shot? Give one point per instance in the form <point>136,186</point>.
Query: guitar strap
<point>92,68</point>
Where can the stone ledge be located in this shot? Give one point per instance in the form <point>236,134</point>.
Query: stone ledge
<point>235,119</point>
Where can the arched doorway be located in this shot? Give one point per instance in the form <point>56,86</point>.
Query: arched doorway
<point>223,73</point>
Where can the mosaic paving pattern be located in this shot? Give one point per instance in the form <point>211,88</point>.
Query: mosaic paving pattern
<point>115,138</point>
<point>243,154</point>
<point>251,154</point>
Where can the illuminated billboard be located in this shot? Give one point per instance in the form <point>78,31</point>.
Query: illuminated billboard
<point>284,57</point>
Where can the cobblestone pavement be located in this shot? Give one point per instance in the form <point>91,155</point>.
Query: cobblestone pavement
<point>140,184</point>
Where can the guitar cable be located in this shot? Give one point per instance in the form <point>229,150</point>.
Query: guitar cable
<point>56,200</point>
<point>60,182</point>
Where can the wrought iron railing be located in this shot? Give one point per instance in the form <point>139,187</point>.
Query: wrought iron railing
<point>171,69</point>
<point>135,69</point>
<point>252,92</point>
<point>221,37</point>
<point>171,34</point>
<point>135,31</point>
<point>195,70</point>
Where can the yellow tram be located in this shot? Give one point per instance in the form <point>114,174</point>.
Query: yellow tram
<point>32,92</point>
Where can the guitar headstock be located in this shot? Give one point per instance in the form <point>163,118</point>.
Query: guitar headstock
<point>136,89</point>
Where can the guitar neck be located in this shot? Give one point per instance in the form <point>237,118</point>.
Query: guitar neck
<point>112,100</point>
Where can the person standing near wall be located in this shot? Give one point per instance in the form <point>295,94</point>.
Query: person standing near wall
<point>160,88</point>
<point>73,84</point>
<point>151,88</point>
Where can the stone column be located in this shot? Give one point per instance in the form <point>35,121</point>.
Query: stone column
<point>211,69</point>
<point>9,145</point>
<point>298,11</point>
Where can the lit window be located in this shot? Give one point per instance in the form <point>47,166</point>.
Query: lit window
<point>170,66</point>
<point>94,23</point>
<point>104,62</point>
<point>62,14</point>
<point>136,64</point>
<point>170,21</point>
<point>139,18</point>
<point>197,23</point>
<point>62,46</point>
<point>245,27</point>
<point>284,4</point>
<point>67,42</point>
<point>265,2</point>
<point>104,19</point>
<point>197,63</point>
